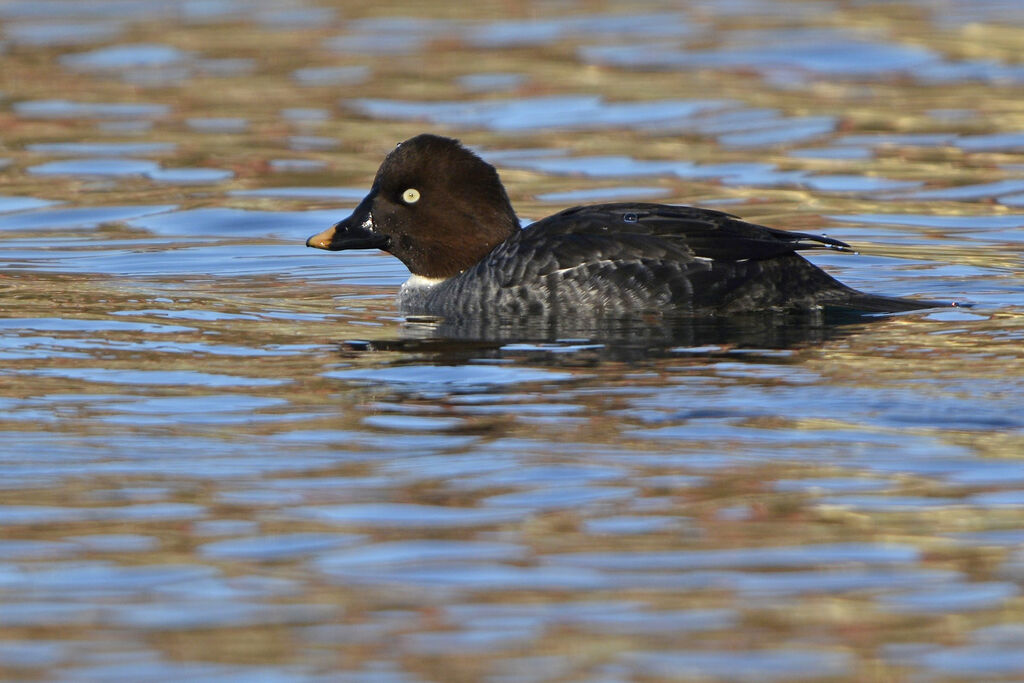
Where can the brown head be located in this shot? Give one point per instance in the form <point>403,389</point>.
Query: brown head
<point>435,205</point>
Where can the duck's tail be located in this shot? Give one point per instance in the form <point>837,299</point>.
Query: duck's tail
<point>873,303</point>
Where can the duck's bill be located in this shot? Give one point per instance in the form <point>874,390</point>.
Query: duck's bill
<point>348,234</point>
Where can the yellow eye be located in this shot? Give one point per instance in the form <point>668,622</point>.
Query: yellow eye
<point>411,196</point>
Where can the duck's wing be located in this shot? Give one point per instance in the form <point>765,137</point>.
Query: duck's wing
<point>630,257</point>
<point>698,233</point>
<point>652,257</point>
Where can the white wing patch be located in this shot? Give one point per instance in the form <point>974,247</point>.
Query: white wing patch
<point>698,262</point>
<point>422,282</point>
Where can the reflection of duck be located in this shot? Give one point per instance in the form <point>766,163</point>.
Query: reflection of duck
<point>444,213</point>
<point>633,337</point>
<point>580,340</point>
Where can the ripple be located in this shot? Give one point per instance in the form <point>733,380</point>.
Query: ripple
<point>413,423</point>
<point>84,580</point>
<point>793,556</point>
<point>826,52</point>
<point>108,149</point>
<point>997,222</point>
<point>532,32</point>
<point>898,139</point>
<point>1014,200</point>
<point>37,613</point>
<point>84,325</point>
<point>42,514</point>
<point>278,546</point>
<point>737,173</point>
<point>341,194</point>
<point>491,82</point>
<point>1000,537</point>
<point>259,497</point>
<point>832,485</point>
<point>891,503</point>
<point>465,377</point>
<point>1001,634</point>
<point>66,109</point>
<point>225,260</point>
<point>289,225</point>
<point>97,166</point>
<point>115,543</point>
<point>459,643</point>
<point>419,445</point>
<point>1010,141</point>
<point>658,621</point>
<point>987,71</point>
<point>224,527</point>
<point>380,44</point>
<point>967,597</point>
<point>309,143</point>
<point>1010,499</point>
<point>402,24</point>
<point>38,34</point>
<point>831,153</point>
<point>125,57</point>
<point>537,113</point>
<point>65,9</point>
<point>856,183</point>
<point>9,204</point>
<point>227,66</point>
<point>478,577</point>
<point>56,347</point>
<point>202,405</point>
<point>973,660</point>
<point>966,193</point>
<point>215,614</point>
<point>297,165</point>
<point>77,218</point>
<point>35,550</point>
<point>633,524</point>
<point>332,75</point>
<point>835,581</point>
<point>154,377</point>
<point>189,176</point>
<point>556,498</point>
<point>601,166</point>
<point>145,668</point>
<point>218,124</point>
<point>740,665</point>
<point>417,553</point>
<point>33,654</point>
<point>295,17</point>
<point>513,473</point>
<point>786,131</point>
<point>407,515</point>
<point>307,115</point>
<point>606,194</point>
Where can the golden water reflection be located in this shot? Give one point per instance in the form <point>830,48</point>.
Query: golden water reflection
<point>228,457</point>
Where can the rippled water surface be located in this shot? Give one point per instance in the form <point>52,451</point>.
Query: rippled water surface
<point>228,457</point>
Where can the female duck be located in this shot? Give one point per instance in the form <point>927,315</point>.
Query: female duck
<point>444,213</point>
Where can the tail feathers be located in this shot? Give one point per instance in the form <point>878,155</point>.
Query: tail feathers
<point>873,303</point>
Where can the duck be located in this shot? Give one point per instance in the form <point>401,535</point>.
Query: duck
<point>443,212</point>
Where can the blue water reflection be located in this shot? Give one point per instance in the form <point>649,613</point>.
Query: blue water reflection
<point>228,457</point>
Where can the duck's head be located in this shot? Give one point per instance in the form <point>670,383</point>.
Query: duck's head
<point>434,204</point>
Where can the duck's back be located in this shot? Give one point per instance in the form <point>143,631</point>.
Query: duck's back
<point>619,259</point>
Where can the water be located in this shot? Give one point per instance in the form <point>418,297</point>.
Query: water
<point>228,457</point>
